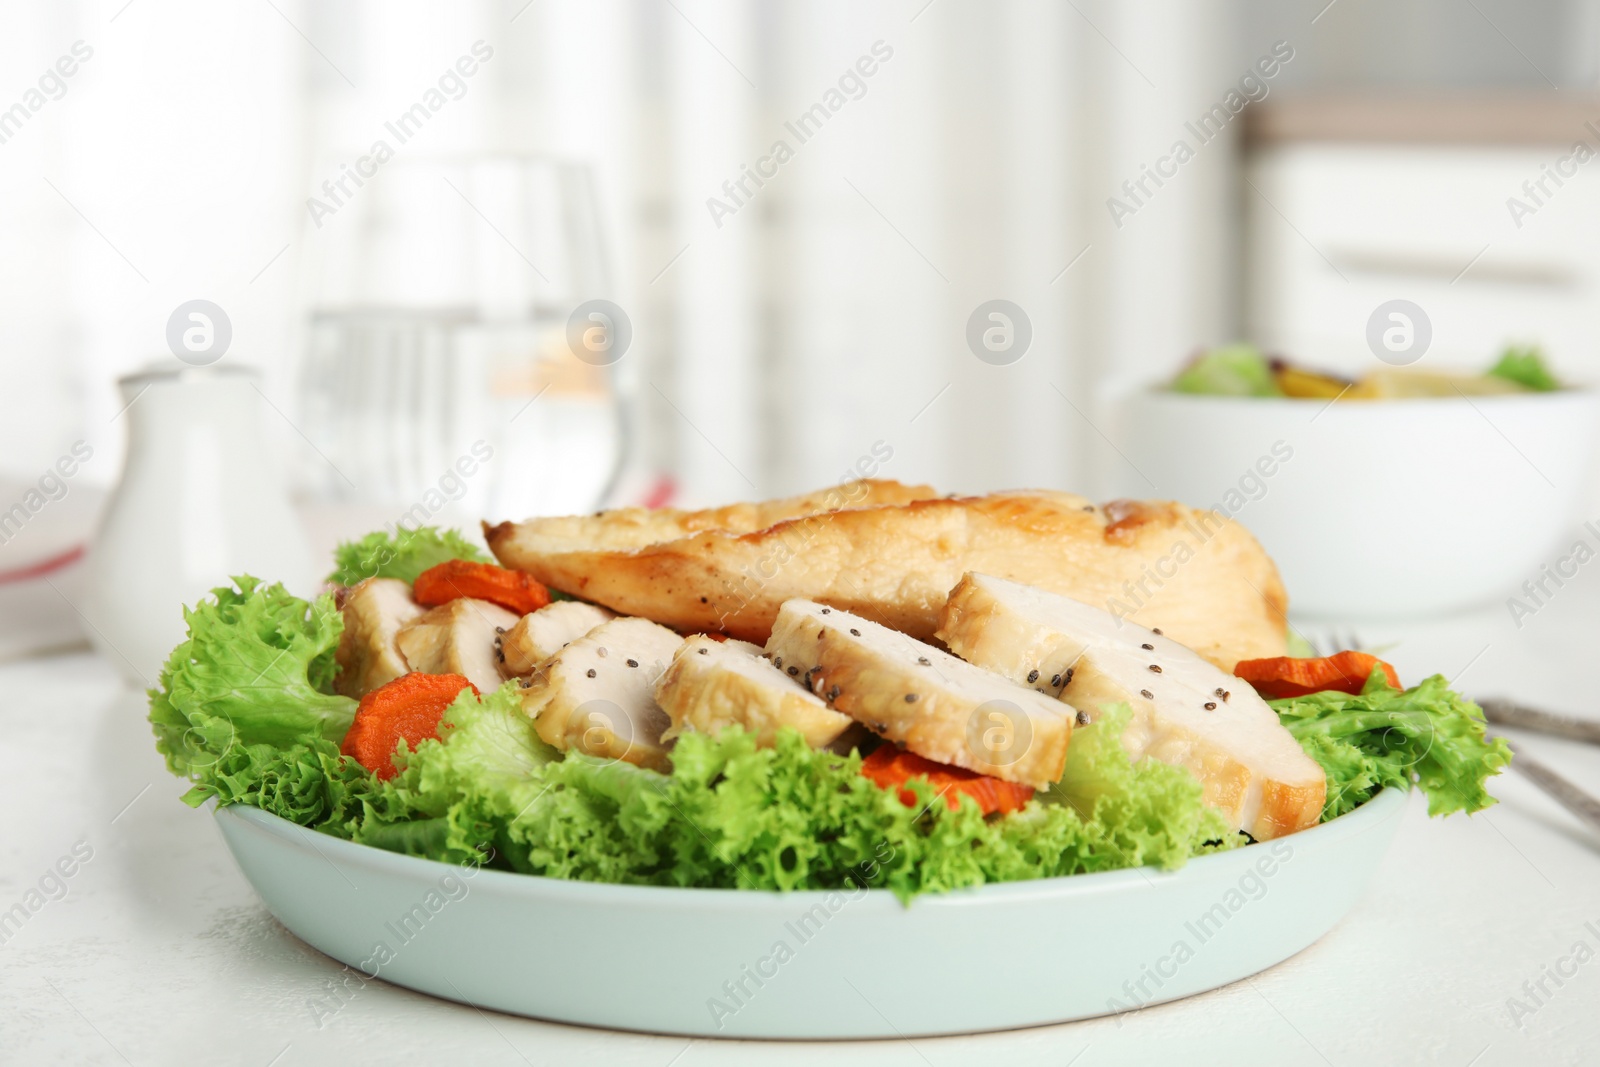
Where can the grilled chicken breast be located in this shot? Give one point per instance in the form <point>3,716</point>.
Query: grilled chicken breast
<point>374,612</point>
<point>713,684</point>
<point>540,634</point>
<point>457,638</point>
<point>597,694</point>
<point>624,529</point>
<point>1203,580</point>
<point>1186,711</point>
<point>929,701</point>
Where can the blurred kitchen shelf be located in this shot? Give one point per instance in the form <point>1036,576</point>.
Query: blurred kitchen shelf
<point>1408,118</point>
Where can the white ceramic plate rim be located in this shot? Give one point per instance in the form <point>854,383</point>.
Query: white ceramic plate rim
<point>1366,817</point>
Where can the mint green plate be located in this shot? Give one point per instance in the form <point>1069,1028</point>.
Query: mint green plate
<point>729,963</point>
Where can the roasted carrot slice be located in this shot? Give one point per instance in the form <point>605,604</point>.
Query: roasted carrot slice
<point>1286,676</point>
<point>408,708</point>
<point>512,590</point>
<point>890,767</point>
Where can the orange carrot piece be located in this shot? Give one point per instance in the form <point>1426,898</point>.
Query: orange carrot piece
<point>512,590</point>
<point>410,707</point>
<point>889,767</point>
<point>1286,676</point>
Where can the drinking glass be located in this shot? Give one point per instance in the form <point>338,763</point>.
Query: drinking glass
<point>442,290</point>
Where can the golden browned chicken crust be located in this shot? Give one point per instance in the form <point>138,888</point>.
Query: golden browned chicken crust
<point>622,529</point>
<point>1201,578</point>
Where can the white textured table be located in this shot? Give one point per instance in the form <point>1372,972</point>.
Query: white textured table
<point>157,952</point>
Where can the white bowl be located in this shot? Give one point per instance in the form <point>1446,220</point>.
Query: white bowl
<point>810,964</point>
<point>1376,508</point>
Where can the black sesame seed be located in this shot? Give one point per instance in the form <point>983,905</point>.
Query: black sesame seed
<point>1088,507</point>
<point>499,629</point>
<point>833,694</point>
<point>793,671</point>
<point>633,663</point>
<point>911,698</point>
<point>1055,680</point>
<point>1147,694</point>
<point>854,632</point>
<point>590,672</point>
<point>1155,629</point>
<point>703,651</point>
<point>1226,694</point>
<point>777,661</point>
<point>702,600</point>
<point>1083,718</point>
<point>827,611</point>
<point>925,661</point>
<point>1033,676</point>
<point>1218,690</point>
<point>1155,668</point>
<point>1211,705</point>
<point>1066,679</point>
<point>1148,647</point>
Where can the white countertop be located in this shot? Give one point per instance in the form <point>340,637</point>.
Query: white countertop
<point>160,953</point>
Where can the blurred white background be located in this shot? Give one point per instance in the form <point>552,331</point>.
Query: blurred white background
<point>774,346</point>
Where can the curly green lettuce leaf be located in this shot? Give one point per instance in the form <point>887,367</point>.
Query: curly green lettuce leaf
<point>403,554</point>
<point>1426,735</point>
<point>452,794</point>
<point>309,783</point>
<point>253,676</point>
<point>1147,811</point>
<point>788,817</point>
<point>1525,366</point>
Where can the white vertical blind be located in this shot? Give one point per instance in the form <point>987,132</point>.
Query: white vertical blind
<point>827,313</point>
<point>710,392</point>
<point>1166,277</point>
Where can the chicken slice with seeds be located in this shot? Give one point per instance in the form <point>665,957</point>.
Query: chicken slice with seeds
<point>540,634</point>
<point>457,638</point>
<point>712,684</point>
<point>936,705</point>
<point>1186,711</point>
<point>597,694</point>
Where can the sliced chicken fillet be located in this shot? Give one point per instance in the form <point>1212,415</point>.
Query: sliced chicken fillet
<point>1186,711</point>
<point>374,611</point>
<point>540,634</point>
<point>457,638</point>
<point>713,684</point>
<point>938,706</point>
<point>597,694</point>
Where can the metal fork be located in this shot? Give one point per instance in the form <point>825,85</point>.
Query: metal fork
<point>1560,789</point>
<point>1504,712</point>
<point>1331,641</point>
